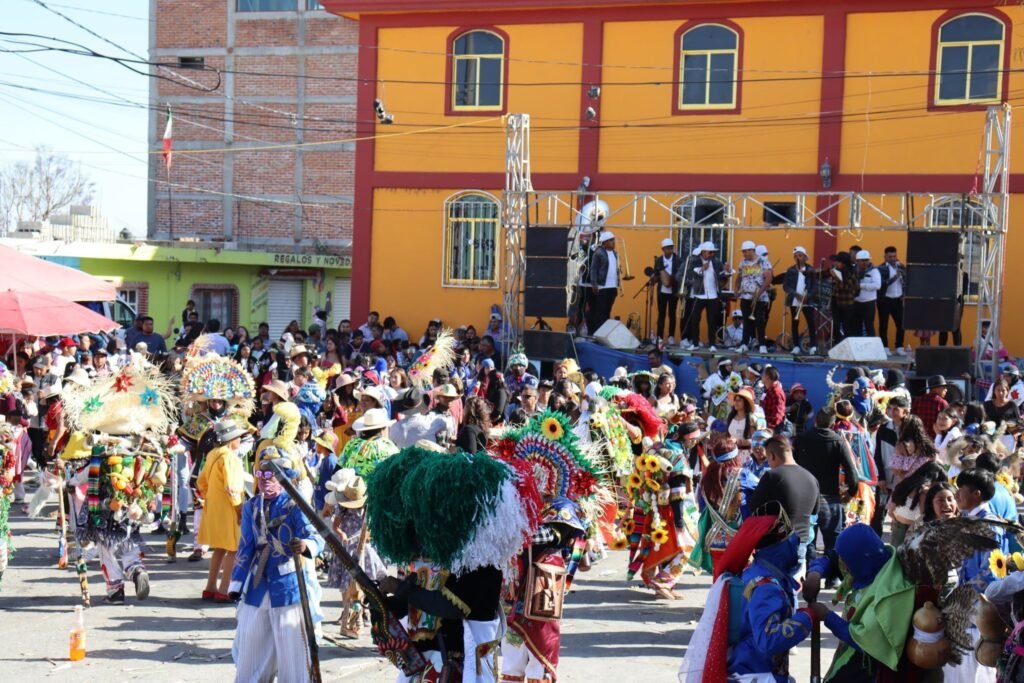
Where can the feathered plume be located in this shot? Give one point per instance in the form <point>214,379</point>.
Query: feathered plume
<point>323,377</point>
<point>216,377</point>
<point>440,355</point>
<point>135,399</point>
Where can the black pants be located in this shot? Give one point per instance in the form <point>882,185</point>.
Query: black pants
<point>794,325</point>
<point>687,320</point>
<point>890,307</point>
<point>714,315</point>
<point>957,338</point>
<point>667,309</point>
<point>842,323</point>
<point>864,319</point>
<point>753,330</point>
<point>600,307</point>
<point>578,308</point>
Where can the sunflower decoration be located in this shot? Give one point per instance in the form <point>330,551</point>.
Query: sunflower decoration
<point>650,463</point>
<point>659,536</point>
<point>552,428</point>
<point>653,484</point>
<point>997,562</point>
<point>628,526</point>
<point>1004,479</point>
<point>1018,561</point>
<point>635,481</point>
<point>620,543</point>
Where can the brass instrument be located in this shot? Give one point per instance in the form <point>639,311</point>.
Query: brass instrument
<point>625,259</point>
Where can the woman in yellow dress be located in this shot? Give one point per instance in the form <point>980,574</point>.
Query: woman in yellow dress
<point>221,484</point>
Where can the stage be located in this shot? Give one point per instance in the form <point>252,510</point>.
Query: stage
<point>809,371</point>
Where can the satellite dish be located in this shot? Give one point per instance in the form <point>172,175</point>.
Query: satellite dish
<point>592,216</point>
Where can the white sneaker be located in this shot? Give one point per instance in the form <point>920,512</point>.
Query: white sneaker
<point>811,351</point>
<point>901,352</point>
<point>796,351</point>
<point>712,348</point>
<point>743,348</point>
<point>671,341</point>
<point>685,344</point>
<point>762,349</point>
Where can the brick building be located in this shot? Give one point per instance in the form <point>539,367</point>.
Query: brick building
<point>246,75</point>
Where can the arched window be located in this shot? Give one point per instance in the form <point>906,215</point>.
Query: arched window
<point>700,219</point>
<point>478,71</point>
<point>709,57</point>
<point>969,60</point>
<point>471,240</point>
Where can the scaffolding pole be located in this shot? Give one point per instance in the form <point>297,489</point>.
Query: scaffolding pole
<point>515,202</point>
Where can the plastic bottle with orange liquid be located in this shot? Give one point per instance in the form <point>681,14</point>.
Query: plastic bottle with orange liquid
<point>76,645</point>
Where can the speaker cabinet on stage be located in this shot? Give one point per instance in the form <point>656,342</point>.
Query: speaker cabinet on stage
<point>544,345</point>
<point>546,273</point>
<point>616,335</point>
<point>940,315</point>
<point>859,350</point>
<point>933,287</point>
<point>937,248</point>
<point>948,361</point>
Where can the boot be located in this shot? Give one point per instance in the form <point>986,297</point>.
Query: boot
<point>141,581</point>
<point>182,523</point>
<point>117,597</point>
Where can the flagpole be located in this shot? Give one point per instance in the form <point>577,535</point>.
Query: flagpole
<point>170,206</point>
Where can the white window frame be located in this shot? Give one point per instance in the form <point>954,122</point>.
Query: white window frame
<point>446,279</point>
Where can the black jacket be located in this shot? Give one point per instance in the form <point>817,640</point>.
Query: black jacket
<point>695,276</point>
<point>822,452</point>
<point>810,282</point>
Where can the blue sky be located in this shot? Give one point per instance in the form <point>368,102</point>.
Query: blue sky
<point>64,124</point>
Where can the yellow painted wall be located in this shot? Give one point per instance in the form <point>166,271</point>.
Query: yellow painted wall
<point>540,54</point>
<point>773,47</point>
<point>902,136</point>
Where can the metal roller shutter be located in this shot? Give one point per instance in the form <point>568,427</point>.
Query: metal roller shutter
<point>341,302</point>
<point>284,304</point>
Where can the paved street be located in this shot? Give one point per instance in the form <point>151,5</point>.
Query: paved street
<point>611,631</point>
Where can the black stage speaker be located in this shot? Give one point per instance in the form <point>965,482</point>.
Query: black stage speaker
<point>542,345</point>
<point>941,315</point>
<point>932,281</point>
<point>546,272</point>
<point>937,248</point>
<point>948,361</point>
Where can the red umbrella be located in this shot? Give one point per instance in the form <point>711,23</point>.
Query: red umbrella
<point>35,314</point>
<point>26,273</point>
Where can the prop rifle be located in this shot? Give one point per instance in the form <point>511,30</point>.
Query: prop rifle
<point>389,635</point>
<point>816,652</point>
<point>307,621</point>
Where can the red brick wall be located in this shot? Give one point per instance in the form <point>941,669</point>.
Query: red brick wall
<point>263,110</point>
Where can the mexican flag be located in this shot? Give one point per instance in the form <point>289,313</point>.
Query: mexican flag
<point>168,138</point>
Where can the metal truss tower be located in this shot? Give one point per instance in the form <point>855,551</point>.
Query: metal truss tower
<point>515,202</point>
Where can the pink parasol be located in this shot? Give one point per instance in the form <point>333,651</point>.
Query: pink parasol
<point>36,314</point>
<point>25,273</point>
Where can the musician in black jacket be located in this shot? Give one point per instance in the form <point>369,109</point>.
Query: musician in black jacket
<point>666,269</point>
<point>801,287</point>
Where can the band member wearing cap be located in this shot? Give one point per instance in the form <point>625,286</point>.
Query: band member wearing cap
<point>666,269</point>
<point>753,282</point>
<point>865,301</point>
<point>704,282</point>
<point>801,287</point>
<point>604,281</point>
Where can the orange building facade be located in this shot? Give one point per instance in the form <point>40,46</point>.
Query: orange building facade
<point>660,97</point>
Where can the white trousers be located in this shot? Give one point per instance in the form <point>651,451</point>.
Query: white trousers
<point>517,660</point>
<point>270,642</point>
<point>116,568</point>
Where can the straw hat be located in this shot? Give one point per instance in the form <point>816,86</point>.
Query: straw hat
<point>51,390</point>
<point>375,418</point>
<point>298,350</point>
<point>80,377</point>
<point>347,489</point>
<point>447,391</point>
<point>278,388</point>
<point>747,394</point>
<point>327,439</point>
<point>344,379</point>
<point>373,392</point>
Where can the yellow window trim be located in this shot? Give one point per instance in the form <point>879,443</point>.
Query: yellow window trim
<point>476,88</point>
<point>970,45</point>
<point>683,54</point>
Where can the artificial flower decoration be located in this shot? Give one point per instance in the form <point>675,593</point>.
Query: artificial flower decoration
<point>552,428</point>
<point>659,536</point>
<point>123,382</point>
<point>620,543</point>
<point>997,563</point>
<point>1018,561</point>
<point>635,481</point>
<point>628,526</point>
<point>92,405</point>
<point>149,397</point>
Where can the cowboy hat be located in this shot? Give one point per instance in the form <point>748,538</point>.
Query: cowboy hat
<point>344,379</point>
<point>447,391</point>
<point>79,376</point>
<point>49,391</point>
<point>372,392</point>
<point>298,350</point>
<point>936,381</point>
<point>747,394</point>
<point>327,439</point>
<point>409,401</point>
<point>278,388</point>
<point>226,431</point>
<point>347,489</point>
<point>374,418</point>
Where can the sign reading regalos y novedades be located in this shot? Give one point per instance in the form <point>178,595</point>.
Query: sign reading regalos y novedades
<point>313,260</point>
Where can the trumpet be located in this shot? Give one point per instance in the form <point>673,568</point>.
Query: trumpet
<point>625,259</point>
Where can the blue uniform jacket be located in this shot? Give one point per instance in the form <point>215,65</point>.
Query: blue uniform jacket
<point>771,626</point>
<point>272,530</point>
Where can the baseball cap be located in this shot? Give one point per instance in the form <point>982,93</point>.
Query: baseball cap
<point>667,242</point>
<point>863,255</point>
<point>799,250</point>
<point>747,245</point>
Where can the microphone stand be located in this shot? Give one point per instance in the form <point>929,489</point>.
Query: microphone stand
<point>649,305</point>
